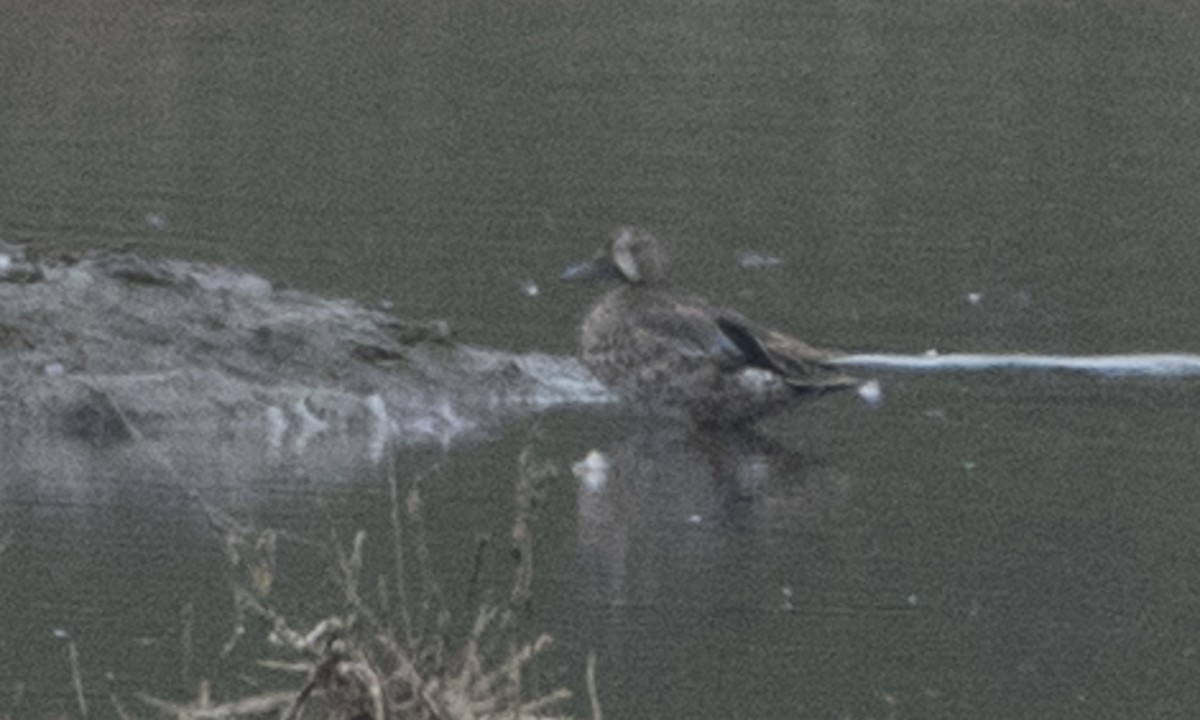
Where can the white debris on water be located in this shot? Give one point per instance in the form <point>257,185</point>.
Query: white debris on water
<point>6,262</point>
<point>871,393</point>
<point>54,369</point>
<point>593,471</point>
<point>753,260</point>
<point>974,298</point>
<point>530,289</point>
<point>156,220</point>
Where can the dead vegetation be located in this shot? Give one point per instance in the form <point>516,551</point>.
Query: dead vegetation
<point>391,649</point>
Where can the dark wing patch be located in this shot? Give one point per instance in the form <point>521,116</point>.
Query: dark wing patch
<point>747,343</point>
<point>686,329</point>
<point>798,364</point>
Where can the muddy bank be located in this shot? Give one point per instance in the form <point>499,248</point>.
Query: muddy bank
<point>110,348</point>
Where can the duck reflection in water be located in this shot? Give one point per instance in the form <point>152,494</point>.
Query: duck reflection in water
<point>669,503</point>
<point>674,355</point>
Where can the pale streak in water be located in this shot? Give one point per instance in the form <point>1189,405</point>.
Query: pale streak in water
<point>1172,364</point>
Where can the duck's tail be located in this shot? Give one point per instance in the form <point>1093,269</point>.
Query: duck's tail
<point>822,383</point>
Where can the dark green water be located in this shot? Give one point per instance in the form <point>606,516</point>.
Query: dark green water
<point>982,546</point>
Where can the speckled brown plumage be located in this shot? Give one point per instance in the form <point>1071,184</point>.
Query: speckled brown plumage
<point>677,355</point>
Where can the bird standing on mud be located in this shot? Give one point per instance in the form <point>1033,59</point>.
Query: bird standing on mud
<point>676,355</point>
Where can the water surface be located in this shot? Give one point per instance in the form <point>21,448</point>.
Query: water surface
<point>1007,177</point>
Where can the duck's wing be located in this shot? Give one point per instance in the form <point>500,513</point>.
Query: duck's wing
<point>798,363</point>
<point>688,327</point>
<point>684,326</point>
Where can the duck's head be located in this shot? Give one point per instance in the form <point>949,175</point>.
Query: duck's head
<point>638,256</point>
<point>633,255</point>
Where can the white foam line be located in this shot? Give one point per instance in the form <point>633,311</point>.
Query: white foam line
<point>1120,365</point>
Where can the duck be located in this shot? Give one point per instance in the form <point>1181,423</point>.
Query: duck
<point>674,354</point>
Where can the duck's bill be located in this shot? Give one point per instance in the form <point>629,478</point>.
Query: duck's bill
<point>597,268</point>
